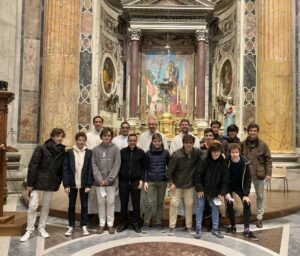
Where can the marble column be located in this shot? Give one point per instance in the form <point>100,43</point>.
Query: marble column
<point>274,86</point>
<point>135,35</point>
<point>60,68</point>
<point>201,37</point>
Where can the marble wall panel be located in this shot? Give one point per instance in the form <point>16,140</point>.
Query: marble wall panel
<point>249,115</point>
<point>31,64</point>
<point>32,19</point>
<point>297,69</point>
<point>28,122</point>
<point>85,72</point>
<point>249,71</point>
<point>87,23</point>
<point>84,113</point>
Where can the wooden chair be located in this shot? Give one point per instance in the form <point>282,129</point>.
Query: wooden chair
<point>279,172</point>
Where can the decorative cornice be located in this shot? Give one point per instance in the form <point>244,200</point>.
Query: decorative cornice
<point>134,34</point>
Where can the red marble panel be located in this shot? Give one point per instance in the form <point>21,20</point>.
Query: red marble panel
<point>84,114</point>
<point>32,19</point>
<point>86,23</point>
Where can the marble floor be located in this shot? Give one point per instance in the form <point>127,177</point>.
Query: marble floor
<point>279,236</point>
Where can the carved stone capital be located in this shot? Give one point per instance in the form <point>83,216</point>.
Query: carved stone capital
<point>201,35</point>
<point>134,34</point>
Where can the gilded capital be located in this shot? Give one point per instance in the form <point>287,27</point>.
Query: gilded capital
<point>135,34</point>
<point>201,35</point>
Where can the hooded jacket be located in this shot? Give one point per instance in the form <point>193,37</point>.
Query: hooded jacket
<point>181,168</point>
<point>106,162</point>
<point>211,176</point>
<point>45,166</point>
<point>259,156</point>
<point>69,169</point>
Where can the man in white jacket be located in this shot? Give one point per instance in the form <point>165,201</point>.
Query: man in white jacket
<point>121,141</point>
<point>146,137</point>
<point>176,143</point>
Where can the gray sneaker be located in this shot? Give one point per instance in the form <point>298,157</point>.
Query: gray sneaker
<point>190,231</point>
<point>217,233</point>
<point>171,231</point>
<point>197,234</point>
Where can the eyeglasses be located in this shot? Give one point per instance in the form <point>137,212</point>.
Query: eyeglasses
<point>125,128</point>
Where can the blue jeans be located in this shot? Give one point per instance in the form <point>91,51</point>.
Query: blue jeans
<point>84,206</point>
<point>199,213</point>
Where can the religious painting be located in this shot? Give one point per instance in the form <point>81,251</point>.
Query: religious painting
<point>108,76</point>
<point>167,78</point>
<point>226,78</point>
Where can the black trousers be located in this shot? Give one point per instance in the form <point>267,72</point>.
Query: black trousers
<point>125,189</point>
<point>246,210</point>
<point>84,206</point>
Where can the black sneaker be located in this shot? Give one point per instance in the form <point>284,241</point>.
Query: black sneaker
<point>259,224</point>
<point>250,234</point>
<point>137,228</point>
<point>231,230</point>
<point>145,229</point>
<point>217,233</point>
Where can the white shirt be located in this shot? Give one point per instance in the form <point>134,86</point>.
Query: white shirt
<point>93,139</point>
<point>176,143</point>
<point>79,155</point>
<point>146,138</point>
<point>120,141</point>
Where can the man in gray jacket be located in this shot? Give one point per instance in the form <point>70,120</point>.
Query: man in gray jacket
<point>106,161</point>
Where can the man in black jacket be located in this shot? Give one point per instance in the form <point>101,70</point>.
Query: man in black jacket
<point>131,176</point>
<point>240,184</point>
<point>43,178</point>
<point>78,176</point>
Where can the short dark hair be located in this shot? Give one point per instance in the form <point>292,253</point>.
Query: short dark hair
<point>184,120</point>
<point>80,134</point>
<point>215,122</point>
<point>156,135</point>
<point>215,146</point>
<point>132,135</point>
<point>207,130</point>
<point>57,131</point>
<point>234,146</point>
<point>187,138</point>
<point>233,128</point>
<point>125,122</point>
<point>251,126</point>
<point>105,131</point>
<point>95,117</point>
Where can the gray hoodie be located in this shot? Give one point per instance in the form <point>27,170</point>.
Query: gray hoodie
<point>106,162</point>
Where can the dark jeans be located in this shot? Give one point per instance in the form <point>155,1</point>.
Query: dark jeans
<point>84,206</point>
<point>126,188</point>
<point>246,211</point>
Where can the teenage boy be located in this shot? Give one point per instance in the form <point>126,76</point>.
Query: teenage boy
<point>232,131</point>
<point>106,161</point>
<point>183,163</point>
<point>43,178</point>
<point>78,177</point>
<point>240,184</point>
<point>211,181</point>
<point>131,176</point>
<point>259,156</point>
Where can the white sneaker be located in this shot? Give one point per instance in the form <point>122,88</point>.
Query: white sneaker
<point>43,233</point>
<point>26,236</point>
<point>85,232</point>
<point>69,232</point>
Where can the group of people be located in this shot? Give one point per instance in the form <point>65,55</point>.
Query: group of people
<point>212,170</point>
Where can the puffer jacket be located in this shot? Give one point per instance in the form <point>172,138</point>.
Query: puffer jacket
<point>157,161</point>
<point>258,154</point>
<point>45,167</point>
<point>212,177</point>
